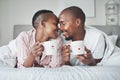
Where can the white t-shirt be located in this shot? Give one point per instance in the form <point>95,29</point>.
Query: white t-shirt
<point>94,41</point>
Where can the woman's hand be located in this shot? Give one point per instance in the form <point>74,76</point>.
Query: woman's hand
<point>37,49</point>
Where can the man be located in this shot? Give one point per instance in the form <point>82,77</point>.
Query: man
<point>72,25</point>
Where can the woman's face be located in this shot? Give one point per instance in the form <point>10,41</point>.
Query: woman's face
<point>51,28</point>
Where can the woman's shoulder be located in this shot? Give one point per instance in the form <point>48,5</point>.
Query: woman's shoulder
<point>25,36</point>
<point>26,33</point>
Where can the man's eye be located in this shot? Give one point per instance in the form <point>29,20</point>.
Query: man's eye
<point>62,24</point>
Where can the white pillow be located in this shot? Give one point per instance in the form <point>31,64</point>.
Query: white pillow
<point>113,39</point>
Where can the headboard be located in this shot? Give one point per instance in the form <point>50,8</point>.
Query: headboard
<point>110,30</point>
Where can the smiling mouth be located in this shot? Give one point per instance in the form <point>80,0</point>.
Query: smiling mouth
<point>64,33</point>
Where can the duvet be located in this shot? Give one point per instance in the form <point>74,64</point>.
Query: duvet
<point>61,73</point>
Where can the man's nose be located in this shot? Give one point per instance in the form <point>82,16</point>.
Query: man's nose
<point>61,28</point>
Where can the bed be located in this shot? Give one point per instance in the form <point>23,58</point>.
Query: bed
<point>110,71</point>
<point>110,30</point>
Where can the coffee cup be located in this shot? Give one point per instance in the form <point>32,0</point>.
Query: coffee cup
<point>50,47</point>
<point>77,47</point>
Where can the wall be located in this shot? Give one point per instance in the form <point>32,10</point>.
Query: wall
<point>100,18</point>
<point>21,12</point>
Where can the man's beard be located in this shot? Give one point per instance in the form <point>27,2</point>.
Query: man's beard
<point>68,38</point>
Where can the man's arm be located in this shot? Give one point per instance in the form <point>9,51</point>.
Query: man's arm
<point>94,62</point>
<point>87,58</point>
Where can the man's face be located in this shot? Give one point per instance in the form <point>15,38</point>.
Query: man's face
<point>67,25</point>
<point>51,28</point>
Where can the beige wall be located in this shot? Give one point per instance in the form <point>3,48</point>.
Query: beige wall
<point>21,12</point>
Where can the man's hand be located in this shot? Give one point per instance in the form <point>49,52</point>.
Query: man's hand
<point>37,49</point>
<point>65,54</point>
<point>87,58</point>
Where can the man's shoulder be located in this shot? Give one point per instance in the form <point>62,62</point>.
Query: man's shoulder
<point>93,34</point>
<point>93,31</point>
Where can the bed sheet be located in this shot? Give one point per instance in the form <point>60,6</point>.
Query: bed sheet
<point>61,73</point>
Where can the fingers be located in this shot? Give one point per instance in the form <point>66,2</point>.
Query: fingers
<point>66,46</point>
<point>88,53</point>
<point>37,49</point>
<point>85,58</point>
<point>66,49</point>
<point>87,50</point>
<point>81,58</point>
<point>37,46</point>
<point>65,53</point>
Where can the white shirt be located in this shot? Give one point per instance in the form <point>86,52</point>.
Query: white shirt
<point>94,41</point>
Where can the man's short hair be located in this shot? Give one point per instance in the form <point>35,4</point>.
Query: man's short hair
<point>76,12</point>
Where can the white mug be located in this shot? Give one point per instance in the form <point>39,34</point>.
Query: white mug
<point>50,47</point>
<point>77,47</point>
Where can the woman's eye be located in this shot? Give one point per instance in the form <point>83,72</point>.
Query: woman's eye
<point>55,24</point>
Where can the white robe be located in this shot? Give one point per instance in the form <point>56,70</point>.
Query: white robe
<point>98,43</point>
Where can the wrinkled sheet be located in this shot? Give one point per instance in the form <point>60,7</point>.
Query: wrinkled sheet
<point>62,73</point>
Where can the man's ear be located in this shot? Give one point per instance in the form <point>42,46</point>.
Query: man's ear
<point>78,22</point>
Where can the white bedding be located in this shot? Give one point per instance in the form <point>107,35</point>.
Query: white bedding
<point>109,70</point>
<point>8,54</point>
<point>62,73</point>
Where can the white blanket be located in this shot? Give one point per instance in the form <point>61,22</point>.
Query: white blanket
<point>62,73</point>
<point>114,58</point>
<point>8,54</point>
<point>112,52</point>
<point>109,71</point>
